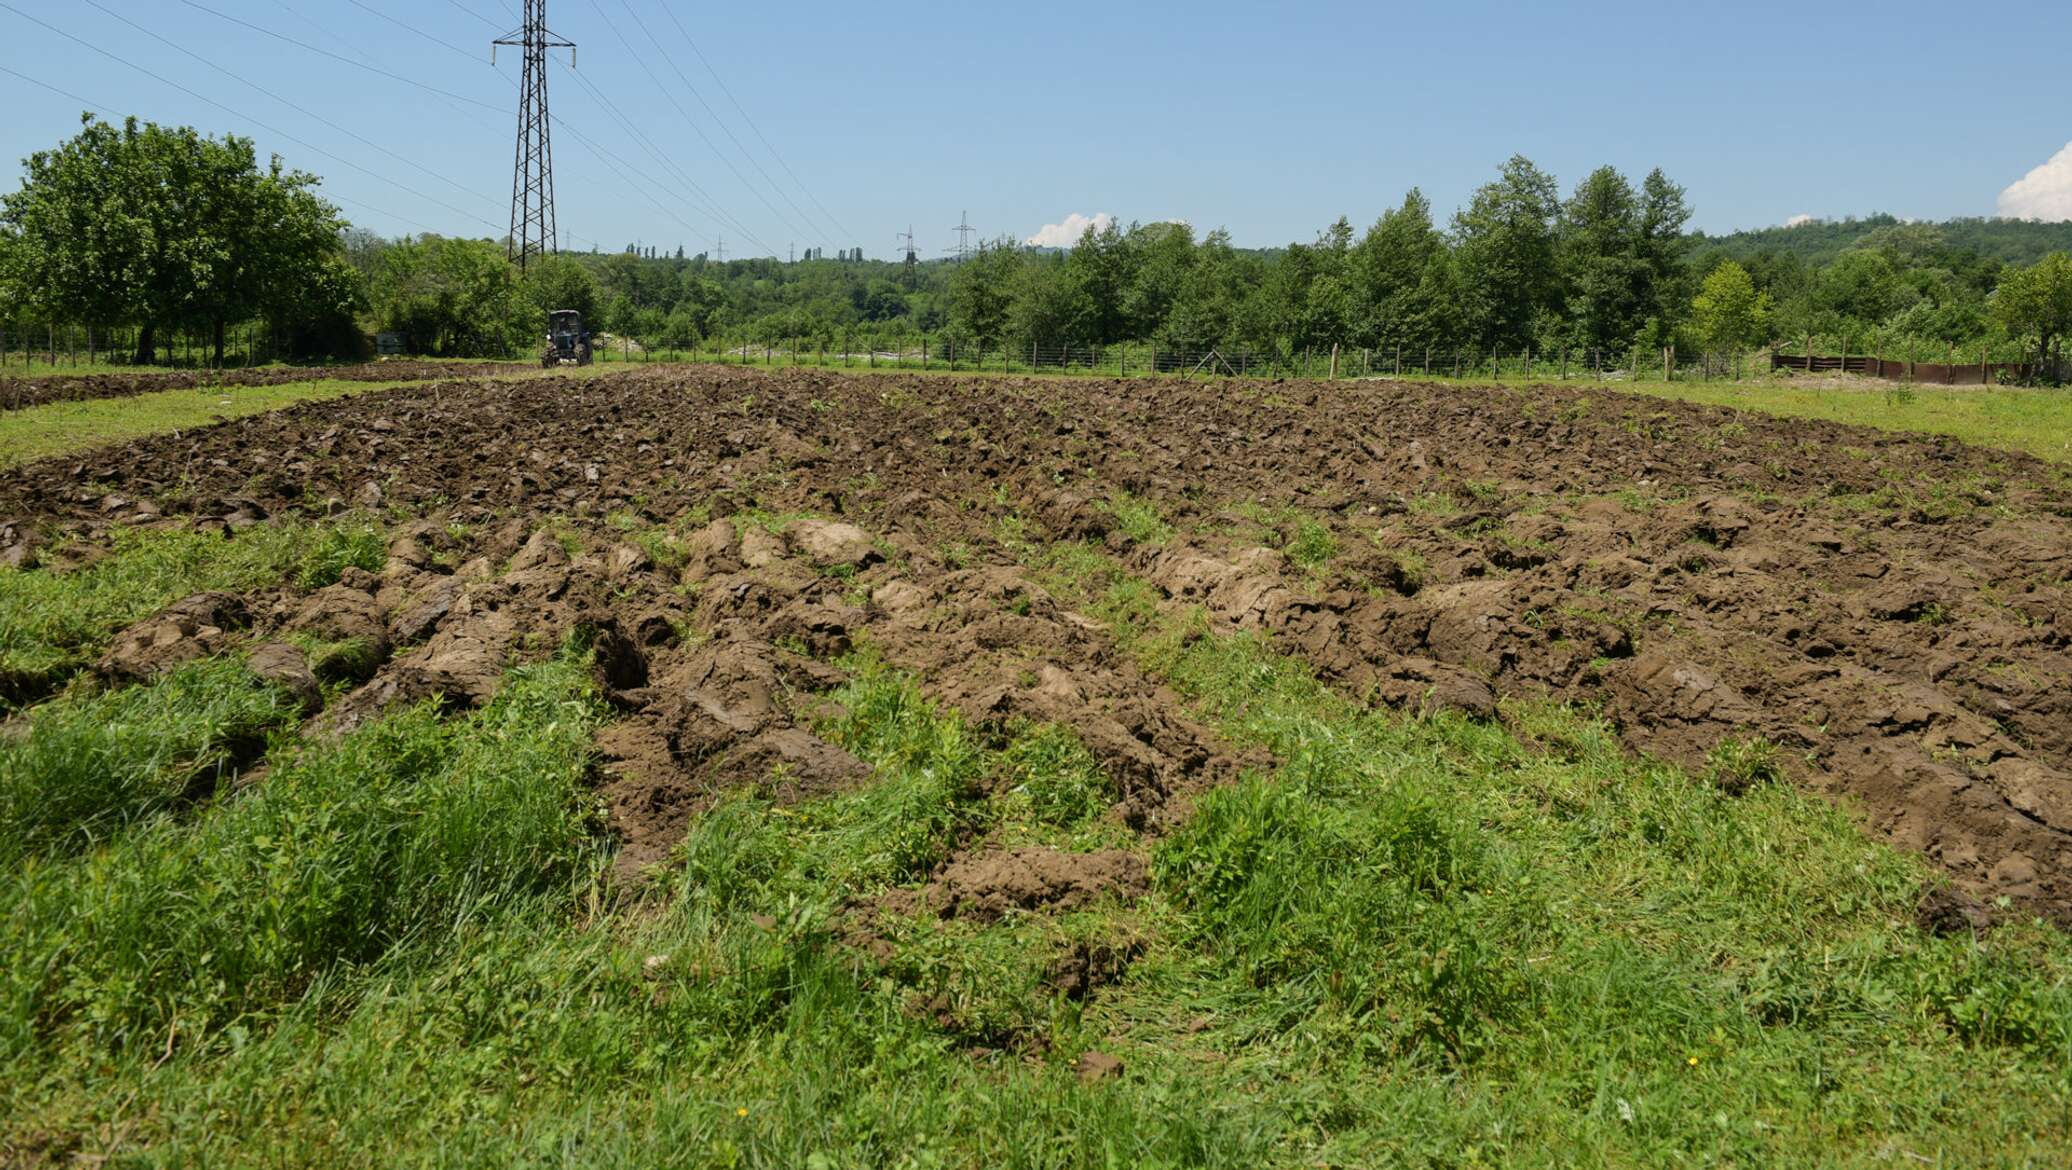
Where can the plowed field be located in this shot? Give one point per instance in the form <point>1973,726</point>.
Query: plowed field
<point>1890,614</point>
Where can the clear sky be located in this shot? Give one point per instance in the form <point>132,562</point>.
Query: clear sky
<point>1268,119</point>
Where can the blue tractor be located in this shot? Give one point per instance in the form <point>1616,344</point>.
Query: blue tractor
<point>568,343</point>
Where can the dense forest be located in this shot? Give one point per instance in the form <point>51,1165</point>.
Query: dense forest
<point>163,230</point>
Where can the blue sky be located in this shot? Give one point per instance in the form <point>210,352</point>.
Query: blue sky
<point>1270,120</point>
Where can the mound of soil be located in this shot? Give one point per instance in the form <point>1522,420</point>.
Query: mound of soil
<point>1891,613</point>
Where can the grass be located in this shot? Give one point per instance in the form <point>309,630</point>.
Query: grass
<point>87,765</point>
<point>1419,943</point>
<point>1407,943</point>
<point>400,833</point>
<point>52,623</point>
<point>2037,421</point>
<point>62,428</point>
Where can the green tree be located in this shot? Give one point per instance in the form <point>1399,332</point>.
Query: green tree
<point>982,294</point>
<point>1098,272</point>
<point>562,282</point>
<point>2036,302</point>
<point>1505,253</point>
<point>154,226</point>
<point>1728,313</point>
<point>459,298</point>
<point>1607,272</point>
<point>1663,247</point>
<point>1388,270</point>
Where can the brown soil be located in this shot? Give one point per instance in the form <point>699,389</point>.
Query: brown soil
<point>1893,613</point>
<point>20,393</point>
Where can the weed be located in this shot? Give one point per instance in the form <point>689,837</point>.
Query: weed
<point>1313,546</point>
<point>1737,765</point>
<point>336,549</point>
<point>1139,519</point>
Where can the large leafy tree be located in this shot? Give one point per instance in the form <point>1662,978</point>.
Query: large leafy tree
<point>160,226</point>
<point>1606,268</point>
<point>982,294</point>
<point>1728,312</point>
<point>2036,302</point>
<point>1099,272</point>
<point>1505,252</point>
<point>1662,248</point>
<point>456,297</point>
<point>1398,268</point>
<point>561,282</point>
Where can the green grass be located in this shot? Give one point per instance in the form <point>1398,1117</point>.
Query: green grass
<point>395,835</point>
<point>350,545</point>
<point>1411,943</point>
<point>52,622</point>
<point>62,428</point>
<point>1139,519</point>
<point>86,765</point>
<point>2037,421</point>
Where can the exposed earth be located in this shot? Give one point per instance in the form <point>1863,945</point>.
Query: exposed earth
<point>1882,618</point>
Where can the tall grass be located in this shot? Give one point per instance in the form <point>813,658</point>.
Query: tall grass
<point>88,764</point>
<point>408,827</point>
<point>1411,943</point>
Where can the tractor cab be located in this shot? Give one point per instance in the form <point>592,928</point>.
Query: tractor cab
<point>568,344</point>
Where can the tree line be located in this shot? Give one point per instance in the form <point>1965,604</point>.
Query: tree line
<point>162,229</point>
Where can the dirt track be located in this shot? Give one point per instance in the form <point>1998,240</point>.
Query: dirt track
<point>21,393</point>
<point>1893,613</point>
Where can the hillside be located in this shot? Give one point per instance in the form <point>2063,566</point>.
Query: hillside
<point>2013,241</point>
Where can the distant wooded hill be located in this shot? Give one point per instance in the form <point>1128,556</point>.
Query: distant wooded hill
<point>2012,241</point>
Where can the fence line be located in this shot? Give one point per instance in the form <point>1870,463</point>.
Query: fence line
<point>81,346</point>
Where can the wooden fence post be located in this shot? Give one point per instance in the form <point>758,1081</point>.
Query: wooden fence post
<point>1669,363</point>
<point>1334,361</point>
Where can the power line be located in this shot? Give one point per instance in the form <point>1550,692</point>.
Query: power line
<point>688,120</point>
<point>101,109</point>
<point>91,105</point>
<point>456,4</point>
<point>721,82</point>
<point>161,39</point>
<point>235,114</point>
<point>599,152</point>
<point>717,121</point>
<point>335,57</point>
<point>668,165</point>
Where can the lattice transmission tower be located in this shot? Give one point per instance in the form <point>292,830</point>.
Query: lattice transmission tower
<point>964,232</point>
<point>533,231</point>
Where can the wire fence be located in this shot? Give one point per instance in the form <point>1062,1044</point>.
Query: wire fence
<point>84,348</point>
<point>1137,359</point>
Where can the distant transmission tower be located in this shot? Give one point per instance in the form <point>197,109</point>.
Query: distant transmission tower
<point>533,231</point>
<point>964,232</point>
<point>910,272</point>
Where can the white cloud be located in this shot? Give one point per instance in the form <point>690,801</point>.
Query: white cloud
<point>2044,193</point>
<point>1066,234</point>
<point>1798,221</point>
